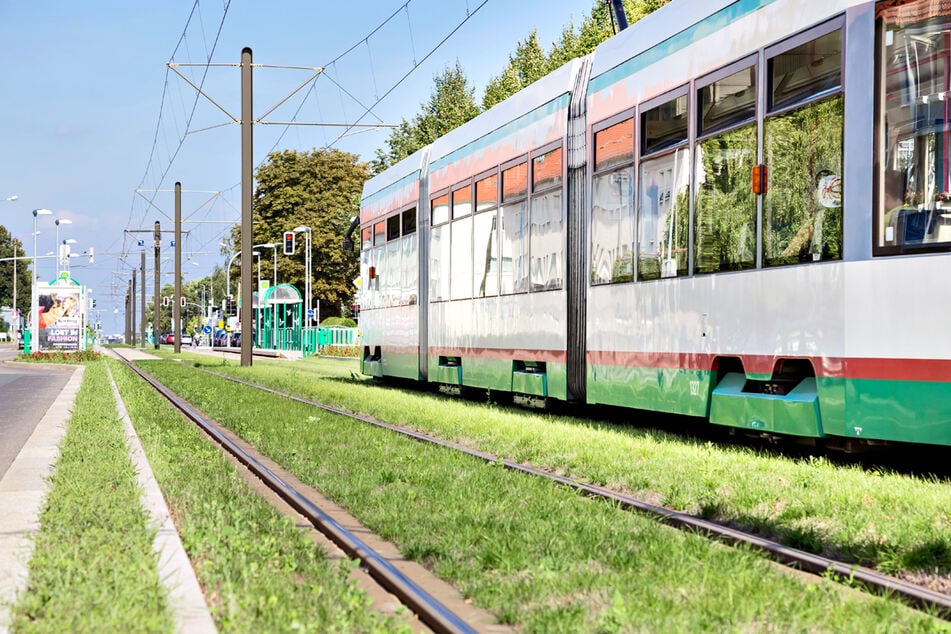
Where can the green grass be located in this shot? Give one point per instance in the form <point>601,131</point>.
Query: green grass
<point>537,555</point>
<point>259,572</point>
<point>896,523</point>
<point>93,569</point>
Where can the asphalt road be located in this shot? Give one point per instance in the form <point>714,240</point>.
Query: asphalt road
<point>26,392</point>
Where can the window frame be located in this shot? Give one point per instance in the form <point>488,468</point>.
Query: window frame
<point>786,45</point>
<point>750,61</point>
<point>515,200</point>
<point>644,107</point>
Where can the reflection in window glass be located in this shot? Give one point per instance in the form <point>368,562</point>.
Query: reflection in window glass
<point>439,263</point>
<point>802,209</point>
<point>546,170</point>
<point>485,255</point>
<point>392,227</point>
<point>547,241</point>
<point>915,205</point>
<point>728,101</point>
<point>461,285</point>
<point>614,145</point>
<point>612,227</point>
<point>440,210</point>
<point>409,221</point>
<point>487,192</point>
<point>514,248</point>
<point>806,71</point>
<point>663,216</point>
<point>515,182</point>
<point>366,296</point>
<point>410,270</point>
<point>367,240</point>
<point>379,233</point>
<point>725,206</point>
<point>391,278</point>
<point>664,125</point>
<point>462,202</point>
<point>376,260</point>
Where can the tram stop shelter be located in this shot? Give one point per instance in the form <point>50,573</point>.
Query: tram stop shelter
<point>278,318</point>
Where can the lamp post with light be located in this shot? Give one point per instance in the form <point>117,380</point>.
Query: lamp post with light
<point>307,305</point>
<point>58,222</point>
<point>34,315</point>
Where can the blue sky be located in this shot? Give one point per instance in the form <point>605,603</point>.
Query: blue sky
<point>89,111</point>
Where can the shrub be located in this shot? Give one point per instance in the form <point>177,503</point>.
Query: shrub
<point>338,321</point>
<point>77,356</point>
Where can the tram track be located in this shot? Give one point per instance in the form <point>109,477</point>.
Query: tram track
<point>913,595</point>
<point>432,612</point>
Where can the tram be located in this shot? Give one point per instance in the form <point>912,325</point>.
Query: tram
<point>737,210</point>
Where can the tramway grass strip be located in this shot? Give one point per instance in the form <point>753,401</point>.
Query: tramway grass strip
<point>260,573</point>
<point>537,555</point>
<point>93,568</point>
<point>898,524</point>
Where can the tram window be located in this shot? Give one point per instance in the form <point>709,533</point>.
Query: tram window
<point>379,233</point>
<point>914,180</point>
<point>393,227</point>
<point>439,263</point>
<point>409,221</point>
<point>515,182</point>
<point>728,101</point>
<point>460,286</point>
<point>391,276</point>
<point>724,203</point>
<point>367,240</point>
<point>485,254</point>
<point>514,247</point>
<point>546,170</point>
<point>409,272</point>
<point>665,125</point>
<point>806,71</point>
<point>487,192</point>
<point>614,145</point>
<point>462,201</point>
<point>440,210</point>
<point>663,216</point>
<point>612,227</point>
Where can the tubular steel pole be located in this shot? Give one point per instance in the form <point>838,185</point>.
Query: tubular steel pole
<point>128,314</point>
<point>132,321</point>
<point>247,187</point>
<point>177,309</point>
<point>156,297</point>
<point>142,269</point>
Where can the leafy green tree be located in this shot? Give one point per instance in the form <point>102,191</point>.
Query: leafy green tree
<point>12,247</point>
<point>319,189</point>
<point>526,66</point>
<point>451,104</point>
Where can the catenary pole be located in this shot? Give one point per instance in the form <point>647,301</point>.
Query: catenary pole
<point>142,299</point>
<point>247,239</point>
<point>177,308</point>
<point>158,288</point>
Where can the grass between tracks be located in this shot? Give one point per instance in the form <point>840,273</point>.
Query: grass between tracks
<point>259,572</point>
<point>93,569</point>
<point>537,555</point>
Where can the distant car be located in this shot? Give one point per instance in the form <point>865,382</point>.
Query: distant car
<point>163,338</point>
<point>235,339</point>
<point>221,339</point>
<point>170,337</point>
<point>186,339</point>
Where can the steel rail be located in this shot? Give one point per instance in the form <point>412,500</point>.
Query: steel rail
<point>430,610</point>
<point>910,594</point>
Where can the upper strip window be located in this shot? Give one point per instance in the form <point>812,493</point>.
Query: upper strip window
<point>393,227</point>
<point>806,71</point>
<point>728,101</point>
<point>515,182</point>
<point>487,192</point>
<point>614,145</point>
<point>546,170</point>
<point>462,201</point>
<point>367,238</point>
<point>440,210</point>
<point>409,221</point>
<point>379,233</point>
<point>665,125</point>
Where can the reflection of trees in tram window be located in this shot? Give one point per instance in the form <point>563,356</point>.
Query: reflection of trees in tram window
<point>663,216</point>
<point>547,241</point>
<point>409,271</point>
<point>725,206</point>
<point>515,233</point>
<point>612,227</point>
<point>802,209</point>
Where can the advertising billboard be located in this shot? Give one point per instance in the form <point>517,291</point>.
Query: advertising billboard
<point>60,314</point>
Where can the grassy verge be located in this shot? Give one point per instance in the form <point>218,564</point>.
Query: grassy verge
<point>259,572</point>
<point>897,523</point>
<point>93,569</point>
<point>537,555</point>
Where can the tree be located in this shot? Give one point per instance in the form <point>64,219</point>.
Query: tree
<point>12,247</point>
<point>526,66</point>
<point>319,189</point>
<point>451,104</point>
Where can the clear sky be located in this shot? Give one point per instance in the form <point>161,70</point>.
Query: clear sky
<point>89,112</point>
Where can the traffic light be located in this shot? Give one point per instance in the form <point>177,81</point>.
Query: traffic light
<point>92,255</point>
<point>166,301</point>
<point>182,298</point>
<point>288,243</point>
<point>232,308</point>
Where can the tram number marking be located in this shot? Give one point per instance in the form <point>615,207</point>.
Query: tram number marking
<point>694,388</point>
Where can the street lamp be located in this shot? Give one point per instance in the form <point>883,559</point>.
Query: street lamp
<point>273,246</point>
<point>10,199</point>
<point>307,305</point>
<point>58,222</point>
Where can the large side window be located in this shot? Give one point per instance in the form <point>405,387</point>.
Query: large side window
<point>514,237</point>
<point>439,249</point>
<point>914,129</point>
<point>485,238</point>
<point>460,286</point>
<point>409,273</point>
<point>546,245</point>
<point>724,203</point>
<point>802,145</point>
<point>612,204</point>
<point>664,186</point>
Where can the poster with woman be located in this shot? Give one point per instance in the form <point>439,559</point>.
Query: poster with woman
<point>59,317</point>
